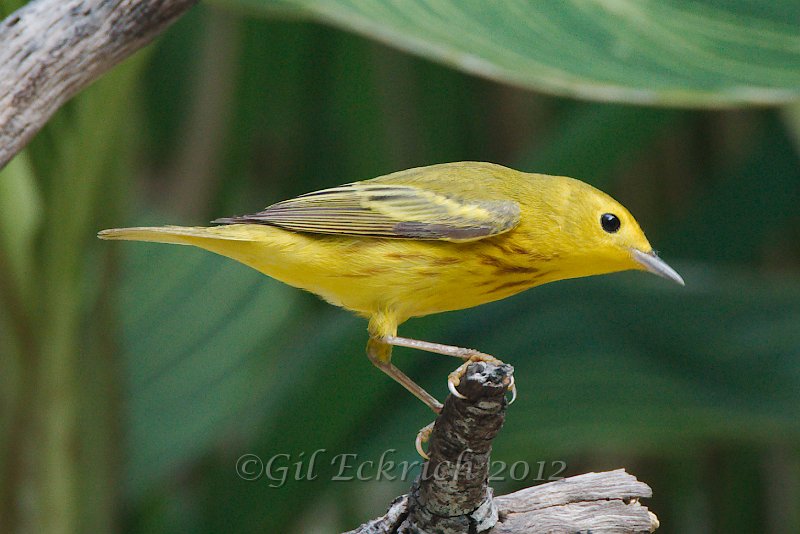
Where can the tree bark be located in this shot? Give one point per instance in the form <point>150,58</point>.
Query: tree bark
<point>452,494</point>
<point>51,49</point>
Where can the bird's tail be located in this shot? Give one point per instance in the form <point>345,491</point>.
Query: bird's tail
<point>180,235</point>
<point>253,245</point>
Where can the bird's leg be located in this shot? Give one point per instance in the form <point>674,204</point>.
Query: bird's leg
<point>437,348</point>
<point>382,328</point>
<point>468,355</point>
<point>380,354</point>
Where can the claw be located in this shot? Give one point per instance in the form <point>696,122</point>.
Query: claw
<point>455,377</point>
<point>452,387</point>
<point>420,450</point>
<point>423,436</point>
<point>512,387</point>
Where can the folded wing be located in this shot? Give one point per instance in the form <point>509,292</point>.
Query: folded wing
<point>388,211</point>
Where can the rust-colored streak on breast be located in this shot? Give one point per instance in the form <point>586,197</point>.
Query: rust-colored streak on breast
<point>503,267</point>
<point>442,262</point>
<point>406,256</point>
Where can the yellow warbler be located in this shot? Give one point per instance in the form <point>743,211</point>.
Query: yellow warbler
<point>428,240</point>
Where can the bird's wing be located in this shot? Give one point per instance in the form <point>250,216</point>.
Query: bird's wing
<point>388,210</point>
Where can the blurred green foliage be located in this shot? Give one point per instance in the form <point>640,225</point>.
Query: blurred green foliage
<point>133,376</point>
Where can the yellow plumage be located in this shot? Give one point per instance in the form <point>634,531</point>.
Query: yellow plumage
<point>427,240</point>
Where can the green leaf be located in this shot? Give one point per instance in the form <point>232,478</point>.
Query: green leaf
<point>215,351</point>
<point>675,52</point>
<point>196,335</point>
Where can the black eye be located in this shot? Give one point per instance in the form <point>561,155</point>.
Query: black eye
<point>609,222</point>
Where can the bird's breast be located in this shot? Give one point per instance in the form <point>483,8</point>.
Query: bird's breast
<point>416,278</point>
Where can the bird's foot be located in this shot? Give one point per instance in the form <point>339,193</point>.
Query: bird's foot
<point>423,436</point>
<point>454,379</point>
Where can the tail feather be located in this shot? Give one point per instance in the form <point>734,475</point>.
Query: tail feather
<point>252,245</point>
<point>181,235</point>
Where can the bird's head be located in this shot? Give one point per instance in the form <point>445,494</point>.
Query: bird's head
<point>605,236</point>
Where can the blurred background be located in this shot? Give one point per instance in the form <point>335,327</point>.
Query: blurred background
<point>133,376</point>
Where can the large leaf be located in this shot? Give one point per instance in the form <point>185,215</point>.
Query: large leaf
<point>197,331</point>
<point>672,52</point>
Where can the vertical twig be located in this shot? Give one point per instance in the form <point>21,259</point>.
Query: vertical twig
<point>452,495</point>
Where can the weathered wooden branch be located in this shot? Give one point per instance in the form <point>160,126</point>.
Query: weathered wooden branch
<point>51,49</point>
<point>452,495</point>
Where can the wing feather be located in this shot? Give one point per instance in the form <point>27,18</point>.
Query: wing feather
<point>388,210</point>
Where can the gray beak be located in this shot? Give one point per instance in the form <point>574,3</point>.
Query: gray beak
<point>652,263</point>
